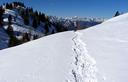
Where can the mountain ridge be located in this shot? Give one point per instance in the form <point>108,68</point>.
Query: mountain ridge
<point>23,24</point>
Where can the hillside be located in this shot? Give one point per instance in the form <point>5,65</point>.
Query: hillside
<point>23,24</point>
<point>108,44</point>
<point>97,54</point>
<point>20,24</point>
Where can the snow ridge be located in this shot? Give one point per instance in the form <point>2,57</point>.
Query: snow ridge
<point>84,69</point>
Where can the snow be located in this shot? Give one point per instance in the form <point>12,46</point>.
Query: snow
<point>18,24</point>
<point>84,69</point>
<point>108,44</point>
<point>11,12</point>
<point>43,60</point>
<point>39,60</point>
<point>96,54</point>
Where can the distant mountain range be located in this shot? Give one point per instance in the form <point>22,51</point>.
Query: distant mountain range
<point>20,24</point>
<point>68,22</point>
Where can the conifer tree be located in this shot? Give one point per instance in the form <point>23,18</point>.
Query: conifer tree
<point>34,23</point>
<point>26,37</point>
<point>1,16</point>
<point>35,37</point>
<point>26,20</point>
<point>43,19</point>
<point>13,41</point>
<point>117,14</point>
<point>10,30</point>
<point>46,28</point>
<point>9,19</point>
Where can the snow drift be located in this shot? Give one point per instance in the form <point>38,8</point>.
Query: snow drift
<point>100,56</point>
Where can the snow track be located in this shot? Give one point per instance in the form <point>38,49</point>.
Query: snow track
<point>84,66</point>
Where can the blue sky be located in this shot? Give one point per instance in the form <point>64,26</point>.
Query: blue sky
<point>81,8</point>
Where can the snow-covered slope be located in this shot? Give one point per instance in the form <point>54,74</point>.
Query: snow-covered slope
<point>14,19</point>
<point>18,25</point>
<point>45,60</point>
<point>100,56</point>
<point>108,44</point>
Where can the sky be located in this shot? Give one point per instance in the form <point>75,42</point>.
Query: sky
<point>80,8</point>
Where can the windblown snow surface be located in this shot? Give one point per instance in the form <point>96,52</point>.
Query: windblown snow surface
<point>97,54</point>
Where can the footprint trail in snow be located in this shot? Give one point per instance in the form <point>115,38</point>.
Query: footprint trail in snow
<point>84,66</point>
